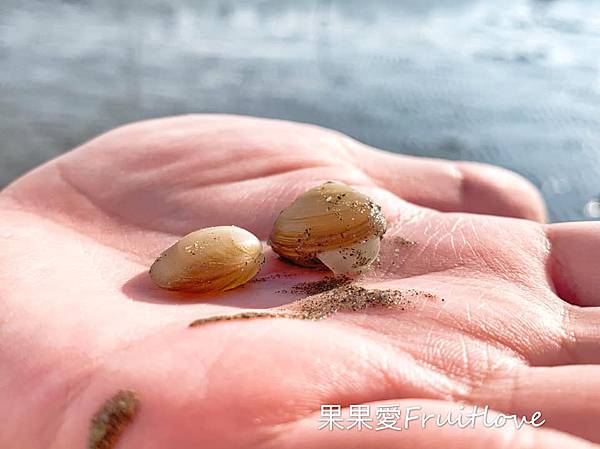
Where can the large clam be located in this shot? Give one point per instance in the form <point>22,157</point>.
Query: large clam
<point>331,224</point>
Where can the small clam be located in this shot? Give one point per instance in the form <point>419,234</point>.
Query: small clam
<point>331,224</point>
<point>209,260</point>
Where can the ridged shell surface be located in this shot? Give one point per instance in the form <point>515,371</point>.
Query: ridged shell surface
<point>325,218</point>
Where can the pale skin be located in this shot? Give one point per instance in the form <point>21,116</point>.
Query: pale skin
<point>518,330</point>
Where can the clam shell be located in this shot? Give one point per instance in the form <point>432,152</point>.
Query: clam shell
<point>209,260</point>
<point>325,218</point>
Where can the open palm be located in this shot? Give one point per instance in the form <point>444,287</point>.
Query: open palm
<point>518,329</point>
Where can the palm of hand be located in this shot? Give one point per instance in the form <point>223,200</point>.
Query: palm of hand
<point>81,320</point>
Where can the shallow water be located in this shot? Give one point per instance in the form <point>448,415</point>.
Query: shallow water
<point>514,83</point>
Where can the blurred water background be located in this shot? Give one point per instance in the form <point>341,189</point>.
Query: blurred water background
<point>513,82</point>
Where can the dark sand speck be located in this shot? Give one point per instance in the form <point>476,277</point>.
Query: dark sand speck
<point>329,296</point>
<point>111,420</point>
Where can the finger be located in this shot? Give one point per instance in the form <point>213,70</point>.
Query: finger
<point>568,397</point>
<point>582,344</point>
<point>166,174</point>
<point>453,186</point>
<point>574,260</point>
<point>305,433</point>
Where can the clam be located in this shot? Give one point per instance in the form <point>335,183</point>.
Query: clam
<point>209,260</point>
<point>332,225</point>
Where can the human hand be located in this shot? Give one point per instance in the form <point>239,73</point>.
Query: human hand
<point>518,329</point>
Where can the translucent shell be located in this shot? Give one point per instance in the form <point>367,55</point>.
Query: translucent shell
<point>331,224</point>
<point>209,260</point>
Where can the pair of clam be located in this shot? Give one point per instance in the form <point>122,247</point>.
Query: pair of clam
<point>332,225</point>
